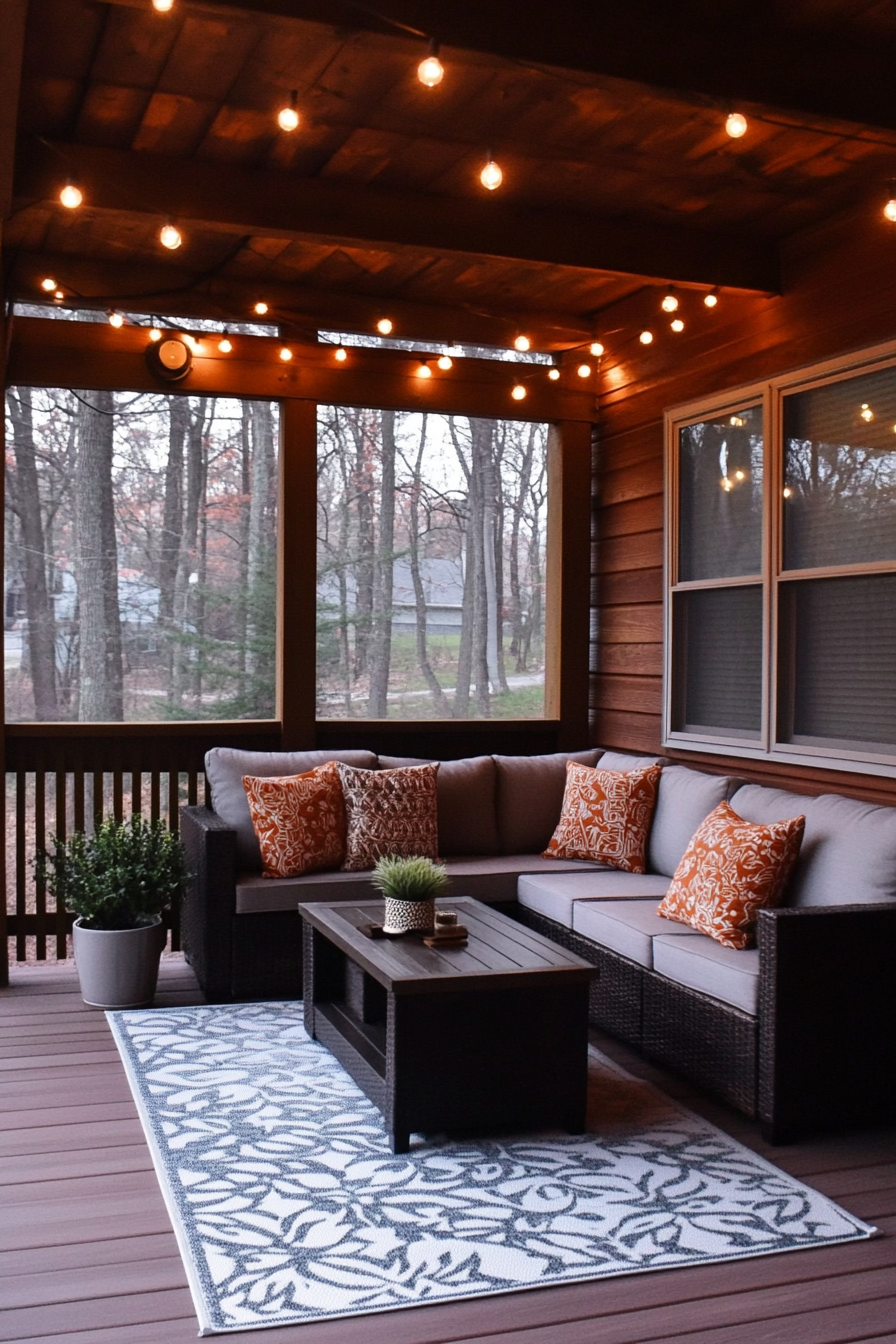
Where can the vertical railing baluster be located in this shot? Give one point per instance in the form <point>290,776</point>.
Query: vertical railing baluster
<point>79,800</point>
<point>136,792</point>
<point>40,887</point>
<point>21,899</point>
<point>98,800</point>
<point>155,783</point>
<point>192,787</point>
<point>118,794</point>
<point>61,830</point>
<point>173,800</point>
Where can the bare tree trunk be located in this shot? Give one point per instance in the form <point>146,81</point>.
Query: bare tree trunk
<point>96,564</point>
<point>478,485</point>
<point>363,486</point>
<point>172,523</point>
<point>516,609</point>
<point>241,614</point>
<point>463,680</point>
<point>381,623</point>
<point>259,540</point>
<point>423,662</point>
<point>38,603</point>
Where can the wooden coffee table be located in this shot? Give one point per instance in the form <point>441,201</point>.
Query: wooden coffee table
<point>490,1035</point>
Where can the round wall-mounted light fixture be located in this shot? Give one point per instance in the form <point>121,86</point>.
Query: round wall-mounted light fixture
<point>170,358</point>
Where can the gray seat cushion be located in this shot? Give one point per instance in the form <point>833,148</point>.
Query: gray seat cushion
<point>626,927</point>
<point>489,879</point>
<point>684,799</point>
<point>555,893</point>
<point>703,964</point>
<point>465,801</point>
<point>848,853</point>
<point>225,767</point>
<point>530,796</point>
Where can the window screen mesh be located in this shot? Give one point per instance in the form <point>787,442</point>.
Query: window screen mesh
<point>718,655</point>
<point>720,497</point>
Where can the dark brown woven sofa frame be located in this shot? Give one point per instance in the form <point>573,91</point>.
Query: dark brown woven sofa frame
<point>820,1053</point>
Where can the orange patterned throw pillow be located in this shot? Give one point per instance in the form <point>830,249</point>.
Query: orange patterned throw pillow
<point>730,871</point>
<point>389,812</point>
<point>606,816</point>
<point>299,820</point>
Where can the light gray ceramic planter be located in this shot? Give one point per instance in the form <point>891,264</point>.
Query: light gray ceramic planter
<point>118,968</point>
<point>403,916</point>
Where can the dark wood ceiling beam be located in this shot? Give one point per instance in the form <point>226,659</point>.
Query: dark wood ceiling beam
<point>279,205</point>
<point>138,286</point>
<point>12,43</point>
<point>765,54</point>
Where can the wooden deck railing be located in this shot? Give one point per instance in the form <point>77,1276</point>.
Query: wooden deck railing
<point>65,777</point>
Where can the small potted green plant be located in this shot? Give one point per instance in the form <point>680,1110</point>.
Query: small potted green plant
<point>118,881</point>
<point>410,887</point>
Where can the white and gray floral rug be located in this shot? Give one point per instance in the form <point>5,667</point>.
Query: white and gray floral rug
<point>289,1207</point>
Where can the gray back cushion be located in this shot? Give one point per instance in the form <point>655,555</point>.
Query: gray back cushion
<point>684,799</point>
<point>225,767</point>
<point>620,760</point>
<point>530,796</point>
<point>465,801</point>
<point>848,853</point>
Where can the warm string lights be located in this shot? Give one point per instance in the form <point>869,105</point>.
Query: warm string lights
<point>170,236</point>
<point>491,176</point>
<point>288,117</point>
<point>736,125</point>
<point>431,71</point>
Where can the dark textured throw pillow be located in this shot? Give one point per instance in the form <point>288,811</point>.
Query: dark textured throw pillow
<point>388,812</point>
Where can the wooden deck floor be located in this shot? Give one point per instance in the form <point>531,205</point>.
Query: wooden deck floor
<point>87,1255</point>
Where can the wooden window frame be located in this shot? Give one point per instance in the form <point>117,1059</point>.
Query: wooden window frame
<point>771,395</point>
<point>48,353</point>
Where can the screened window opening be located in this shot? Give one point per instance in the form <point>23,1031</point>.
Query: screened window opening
<point>718,638</point>
<point>720,494</point>
<point>141,545</point>
<point>431,565</point>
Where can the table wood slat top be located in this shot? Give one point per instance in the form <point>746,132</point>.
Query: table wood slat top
<point>499,952</point>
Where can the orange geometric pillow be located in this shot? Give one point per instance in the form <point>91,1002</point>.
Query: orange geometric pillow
<point>730,871</point>
<point>606,816</point>
<point>299,820</point>
<point>388,812</point>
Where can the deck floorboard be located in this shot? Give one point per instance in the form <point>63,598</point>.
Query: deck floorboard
<point>87,1254</point>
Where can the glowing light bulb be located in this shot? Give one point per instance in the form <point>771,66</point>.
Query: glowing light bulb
<point>225,345</point>
<point>646,337</point>
<point>890,210</point>
<point>423,370</point>
<point>670,302</point>
<point>431,71</point>
<point>71,196</point>
<point>288,116</point>
<point>115,319</point>
<point>491,176</point>
<point>554,374</point>
<point>725,483</point>
<point>47,284</point>
<point>739,476</point>
<point>261,308</point>
<point>340,354</point>
<point>866,412</point>
<point>285,354</point>
<point>711,299</point>
<point>445,362</point>
<point>170,237</point>
<point>787,492</point>
<point>522,343</point>
<point>676,324</point>
<point>736,125</point>
<point>155,334</point>
<point>584,370</point>
<point>518,392</point>
<point>384,326</point>
<point>59,294</point>
<point>163,6</point>
<point>596,349</point>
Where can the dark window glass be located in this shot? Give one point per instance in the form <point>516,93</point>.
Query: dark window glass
<point>840,473</point>
<point>720,497</point>
<point>837,681</point>
<point>718,661</point>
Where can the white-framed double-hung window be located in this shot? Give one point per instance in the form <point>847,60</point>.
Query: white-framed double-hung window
<point>780,636</point>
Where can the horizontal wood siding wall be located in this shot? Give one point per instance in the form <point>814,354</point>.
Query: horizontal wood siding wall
<point>839,295</point>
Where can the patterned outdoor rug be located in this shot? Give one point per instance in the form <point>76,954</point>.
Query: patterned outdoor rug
<point>288,1205</point>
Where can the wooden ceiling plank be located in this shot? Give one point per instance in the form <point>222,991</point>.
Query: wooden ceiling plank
<point>264,202</point>
<point>12,50</point>
<point>829,69</point>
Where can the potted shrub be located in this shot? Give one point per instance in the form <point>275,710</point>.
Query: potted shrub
<point>410,886</point>
<point>118,881</point>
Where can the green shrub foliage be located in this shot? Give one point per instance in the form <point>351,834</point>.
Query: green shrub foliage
<point>118,876</point>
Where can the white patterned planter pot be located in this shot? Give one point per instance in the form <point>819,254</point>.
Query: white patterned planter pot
<point>405,916</point>
<point>119,968</point>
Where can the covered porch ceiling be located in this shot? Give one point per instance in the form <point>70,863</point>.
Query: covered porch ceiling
<point>607,121</point>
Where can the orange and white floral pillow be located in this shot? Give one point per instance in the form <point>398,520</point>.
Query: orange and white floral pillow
<point>299,820</point>
<point>730,871</point>
<point>606,816</point>
<point>389,812</point>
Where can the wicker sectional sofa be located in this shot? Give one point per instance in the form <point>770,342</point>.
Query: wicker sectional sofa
<point>799,1031</point>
